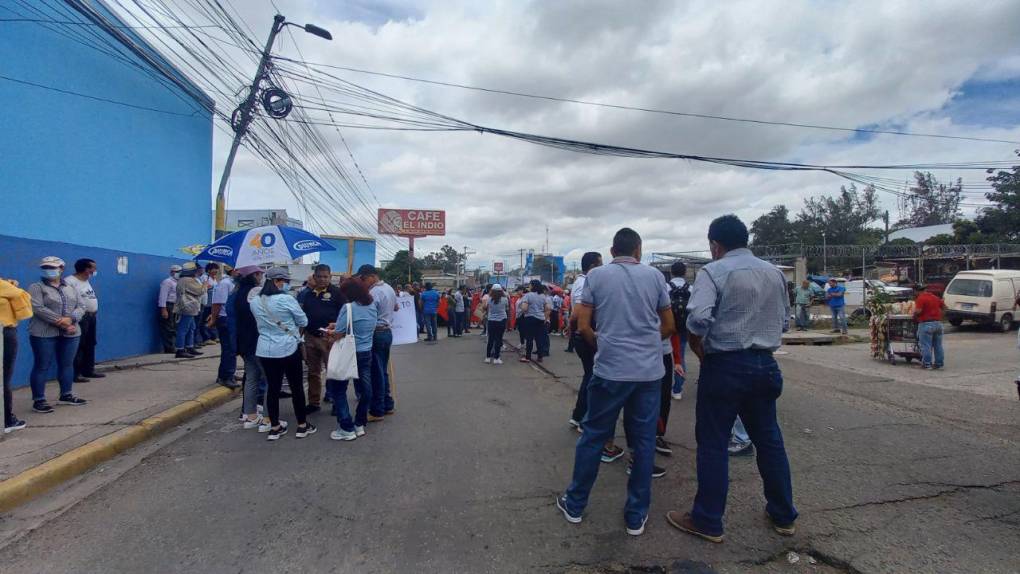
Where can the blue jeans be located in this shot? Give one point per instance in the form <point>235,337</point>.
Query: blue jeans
<point>185,338</point>
<point>228,349</point>
<point>640,404</point>
<point>382,402</point>
<point>678,380</point>
<point>431,325</point>
<point>929,338</point>
<point>745,383</point>
<point>838,318</point>
<point>803,318</point>
<point>362,389</point>
<point>254,384</point>
<point>45,350</point>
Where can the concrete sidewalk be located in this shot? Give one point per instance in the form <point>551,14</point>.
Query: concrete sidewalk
<point>133,390</point>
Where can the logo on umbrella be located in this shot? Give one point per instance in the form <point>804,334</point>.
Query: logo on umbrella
<point>306,244</point>
<point>262,240</point>
<point>221,251</point>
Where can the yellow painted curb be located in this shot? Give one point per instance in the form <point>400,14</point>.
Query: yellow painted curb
<point>37,480</point>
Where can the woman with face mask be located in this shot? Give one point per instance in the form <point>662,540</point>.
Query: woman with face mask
<point>54,333</point>
<point>280,319</point>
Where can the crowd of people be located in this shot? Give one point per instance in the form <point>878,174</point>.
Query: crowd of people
<point>629,325</point>
<point>282,333</point>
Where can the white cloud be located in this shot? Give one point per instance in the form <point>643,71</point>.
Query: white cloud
<point>844,64</point>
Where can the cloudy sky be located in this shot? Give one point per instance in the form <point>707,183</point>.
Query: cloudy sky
<point>931,67</point>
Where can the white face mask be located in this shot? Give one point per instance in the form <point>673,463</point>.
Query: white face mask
<point>95,272</point>
<point>50,273</point>
<point>175,274</point>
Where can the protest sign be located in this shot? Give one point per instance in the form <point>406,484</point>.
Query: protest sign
<point>405,323</point>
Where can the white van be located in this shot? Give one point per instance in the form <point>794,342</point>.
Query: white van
<point>986,296</point>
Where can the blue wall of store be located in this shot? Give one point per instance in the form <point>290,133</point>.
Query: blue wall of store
<point>90,172</point>
<point>127,321</point>
<point>103,157</point>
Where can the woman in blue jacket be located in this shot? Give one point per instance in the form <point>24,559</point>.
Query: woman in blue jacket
<point>363,318</point>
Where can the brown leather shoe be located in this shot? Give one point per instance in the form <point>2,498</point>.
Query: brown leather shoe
<point>683,523</point>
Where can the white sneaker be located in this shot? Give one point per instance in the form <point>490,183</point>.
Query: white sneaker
<point>497,361</point>
<point>488,361</point>
<point>341,434</point>
<point>678,396</point>
<point>250,424</point>
<point>264,426</point>
<point>359,431</point>
<point>639,530</point>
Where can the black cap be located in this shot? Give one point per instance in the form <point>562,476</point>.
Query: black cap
<point>367,269</point>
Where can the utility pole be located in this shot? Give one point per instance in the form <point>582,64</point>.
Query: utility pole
<point>463,263</point>
<point>522,266</point>
<point>242,116</point>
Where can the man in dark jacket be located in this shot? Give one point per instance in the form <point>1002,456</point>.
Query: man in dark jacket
<point>321,301</point>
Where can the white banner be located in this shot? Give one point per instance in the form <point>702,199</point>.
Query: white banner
<point>405,322</point>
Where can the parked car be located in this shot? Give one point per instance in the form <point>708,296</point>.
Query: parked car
<point>986,296</point>
<point>855,291</point>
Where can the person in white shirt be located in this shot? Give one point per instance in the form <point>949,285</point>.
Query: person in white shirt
<point>165,303</point>
<point>85,358</point>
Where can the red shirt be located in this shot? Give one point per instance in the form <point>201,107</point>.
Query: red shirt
<point>928,308</point>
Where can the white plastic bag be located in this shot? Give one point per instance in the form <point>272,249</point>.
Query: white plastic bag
<point>343,358</point>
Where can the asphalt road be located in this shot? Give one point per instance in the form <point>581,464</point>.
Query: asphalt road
<point>888,476</point>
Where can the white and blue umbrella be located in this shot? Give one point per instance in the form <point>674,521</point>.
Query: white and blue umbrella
<point>261,245</point>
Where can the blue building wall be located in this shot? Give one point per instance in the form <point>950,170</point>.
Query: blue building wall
<point>102,156</point>
<point>90,172</point>
<point>127,320</point>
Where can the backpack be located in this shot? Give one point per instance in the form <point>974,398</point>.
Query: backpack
<point>678,299</point>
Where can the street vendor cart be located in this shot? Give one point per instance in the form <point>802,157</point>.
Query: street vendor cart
<point>901,338</point>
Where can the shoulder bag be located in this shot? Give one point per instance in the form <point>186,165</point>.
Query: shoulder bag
<point>343,355</point>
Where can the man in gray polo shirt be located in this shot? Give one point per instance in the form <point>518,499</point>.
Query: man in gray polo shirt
<point>736,317</point>
<point>634,316</point>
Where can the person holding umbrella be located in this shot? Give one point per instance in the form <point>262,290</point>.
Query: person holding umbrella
<point>280,320</point>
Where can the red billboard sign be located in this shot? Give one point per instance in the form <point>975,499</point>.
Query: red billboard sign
<point>412,222</point>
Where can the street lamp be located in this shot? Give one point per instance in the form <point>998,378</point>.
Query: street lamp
<point>278,106</point>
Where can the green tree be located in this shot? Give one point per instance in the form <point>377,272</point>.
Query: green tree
<point>396,271</point>
<point>845,219</point>
<point>930,202</point>
<point>1002,222</point>
<point>447,259</point>
<point>774,228</point>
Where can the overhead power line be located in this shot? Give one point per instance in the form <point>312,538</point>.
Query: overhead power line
<point>658,111</point>
<point>96,98</point>
<point>76,23</point>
